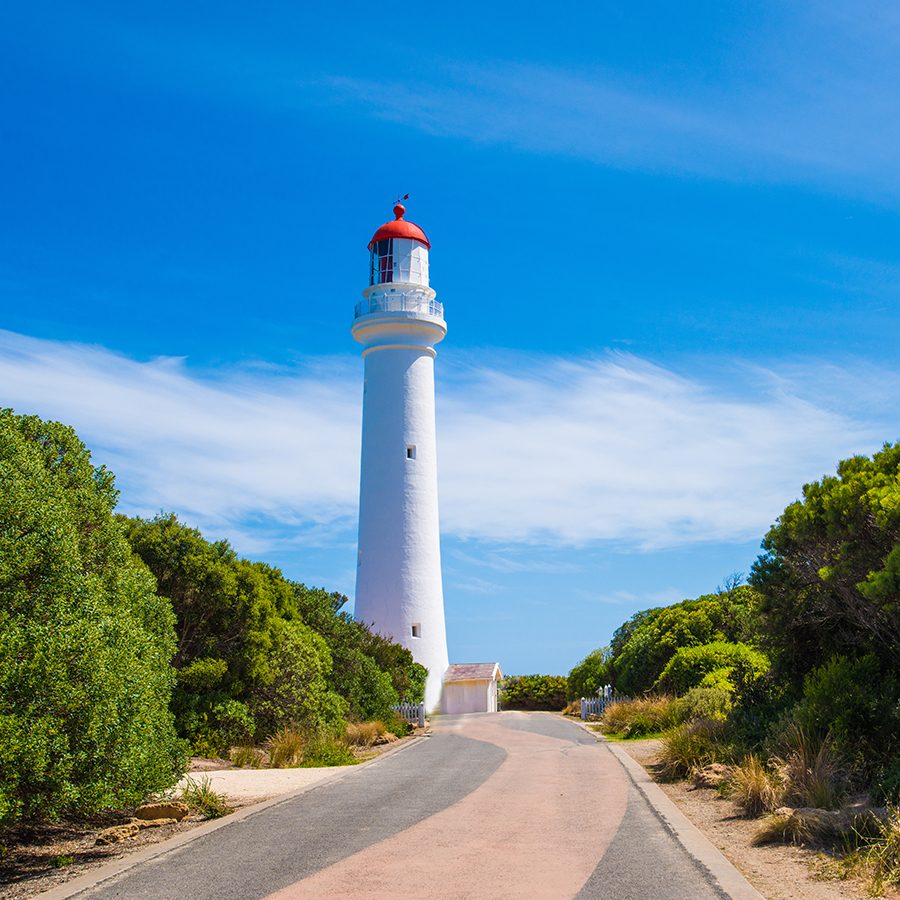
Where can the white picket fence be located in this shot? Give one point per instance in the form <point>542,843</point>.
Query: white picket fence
<point>594,707</point>
<point>414,713</point>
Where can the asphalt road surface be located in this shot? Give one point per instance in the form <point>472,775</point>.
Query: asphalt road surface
<point>508,805</point>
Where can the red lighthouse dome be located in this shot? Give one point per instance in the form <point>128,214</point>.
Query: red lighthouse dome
<point>399,228</point>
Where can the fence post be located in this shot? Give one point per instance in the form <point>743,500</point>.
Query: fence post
<point>422,715</point>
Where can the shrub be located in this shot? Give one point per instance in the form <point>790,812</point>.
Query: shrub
<point>857,702</point>
<point>591,674</point>
<point>691,746</point>
<point>533,692</point>
<point>298,692</point>
<point>643,646</point>
<point>635,718</point>
<point>85,642</point>
<point>703,703</point>
<point>286,748</point>
<point>324,750</point>
<point>689,665</point>
<point>397,726</point>
<point>886,784</point>
<point>753,788</point>
<point>202,799</point>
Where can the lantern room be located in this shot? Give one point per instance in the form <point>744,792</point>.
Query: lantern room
<point>398,252</point>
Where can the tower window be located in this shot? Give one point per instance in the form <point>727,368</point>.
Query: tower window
<point>410,451</point>
<point>417,630</point>
<point>382,267</point>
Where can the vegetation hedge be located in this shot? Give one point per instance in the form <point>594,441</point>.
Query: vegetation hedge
<point>533,692</point>
<point>85,641</point>
<point>801,665</point>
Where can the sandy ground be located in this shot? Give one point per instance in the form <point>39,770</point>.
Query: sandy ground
<point>778,871</point>
<point>246,785</point>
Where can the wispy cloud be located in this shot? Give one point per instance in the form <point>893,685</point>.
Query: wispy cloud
<point>803,122</point>
<point>535,450</point>
<point>810,95</point>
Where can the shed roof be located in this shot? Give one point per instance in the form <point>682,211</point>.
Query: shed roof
<point>473,672</point>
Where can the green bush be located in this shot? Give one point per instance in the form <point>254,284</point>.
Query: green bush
<point>703,703</point>
<point>886,784</point>
<point>327,751</point>
<point>690,665</point>
<point>857,702</point>
<point>533,692</point>
<point>644,644</point>
<point>590,675</point>
<point>85,642</point>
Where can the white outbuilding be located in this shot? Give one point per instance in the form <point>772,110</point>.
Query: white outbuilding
<point>470,688</point>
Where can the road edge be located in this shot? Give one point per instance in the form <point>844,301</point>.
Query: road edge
<point>698,846</point>
<point>117,866</point>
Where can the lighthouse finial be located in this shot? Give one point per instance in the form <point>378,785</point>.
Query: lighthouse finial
<point>399,208</point>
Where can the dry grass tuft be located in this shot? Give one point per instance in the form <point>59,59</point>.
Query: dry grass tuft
<point>633,718</point>
<point>686,748</point>
<point>365,734</point>
<point>811,769</point>
<point>778,828</point>
<point>286,748</point>
<point>246,756</point>
<point>884,854</point>
<point>754,788</point>
<point>573,708</point>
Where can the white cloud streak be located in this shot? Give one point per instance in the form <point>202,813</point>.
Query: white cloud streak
<point>534,450</point>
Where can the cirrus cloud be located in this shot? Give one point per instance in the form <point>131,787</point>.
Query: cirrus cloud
<point>532,449</point>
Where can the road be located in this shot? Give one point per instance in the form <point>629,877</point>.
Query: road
<point>508,805</point>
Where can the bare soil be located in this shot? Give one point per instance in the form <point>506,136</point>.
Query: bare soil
<point>777,871</point>
<point>37,857</point>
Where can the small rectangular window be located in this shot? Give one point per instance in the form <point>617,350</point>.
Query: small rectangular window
<point>410,451</point>
<point>417,630</point>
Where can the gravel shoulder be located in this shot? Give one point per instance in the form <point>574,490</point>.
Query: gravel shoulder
<point>778,871</point>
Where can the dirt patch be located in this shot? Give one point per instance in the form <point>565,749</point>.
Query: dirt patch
<point>777,871</point>
<point>35,858</point>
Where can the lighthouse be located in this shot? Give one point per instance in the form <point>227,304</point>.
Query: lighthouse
<point>398,571</point>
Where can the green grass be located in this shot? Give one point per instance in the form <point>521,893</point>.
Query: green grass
<point>621,737</point>
<point>327,752</point>
<point>202,799</point>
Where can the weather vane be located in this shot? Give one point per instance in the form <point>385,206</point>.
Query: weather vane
<point>399,199</point>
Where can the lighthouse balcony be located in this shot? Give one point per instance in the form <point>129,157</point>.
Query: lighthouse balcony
<point>416,302</point>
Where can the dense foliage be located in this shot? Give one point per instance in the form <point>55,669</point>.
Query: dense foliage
<point>591,674</point>
<point>85,641</point>
<point>257,652</point>
<point>718,663</point>
<point>830,574</point>
<point>806,656</point>
<point>533,692</point>
<point>642,647</point>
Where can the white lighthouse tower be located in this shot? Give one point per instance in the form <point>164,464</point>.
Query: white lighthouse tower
<point>398,576</point>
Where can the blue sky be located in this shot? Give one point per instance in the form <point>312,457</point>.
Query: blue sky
<point>666,239</point>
